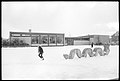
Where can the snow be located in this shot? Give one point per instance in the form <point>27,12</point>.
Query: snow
<point>23,63</point>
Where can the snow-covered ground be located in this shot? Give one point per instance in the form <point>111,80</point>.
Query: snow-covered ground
<point>24,63</point>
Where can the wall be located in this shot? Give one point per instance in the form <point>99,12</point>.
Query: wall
<point>81,42</point>
<point>104,39</point>
<point>95,39</point>
<point>101,39</point>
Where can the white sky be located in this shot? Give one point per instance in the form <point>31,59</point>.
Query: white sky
<point>72,18</point>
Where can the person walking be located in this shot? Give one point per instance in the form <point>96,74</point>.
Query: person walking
<point>40,51</point>
<point>92,45</point>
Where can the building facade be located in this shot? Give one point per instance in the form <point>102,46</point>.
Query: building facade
<point>99,39</point>
<point>34,39</point>
<point>57,39</point>
<point>87,40</point>
<point>77,41</point>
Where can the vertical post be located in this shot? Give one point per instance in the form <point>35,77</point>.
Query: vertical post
<point>63,39</point>
<point>31,39</point>
<point>89,39</point>
<point>98,39</point>
<point>110,40</point>
<point>39,39</point>
<point>30,36</point>
<point>48,40</point>
<point>56,39</point>
<point>10,39</point>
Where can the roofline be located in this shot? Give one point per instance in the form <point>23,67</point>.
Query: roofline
<point>94,35</point>
<point>36,33</point>
<point>77,37</point>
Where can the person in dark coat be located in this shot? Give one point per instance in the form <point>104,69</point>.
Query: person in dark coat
<point>92,45</point>
<point>40,51</point>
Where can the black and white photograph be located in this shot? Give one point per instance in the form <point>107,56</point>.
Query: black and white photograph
<point>60,40</point>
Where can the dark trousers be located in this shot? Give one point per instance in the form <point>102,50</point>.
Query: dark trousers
<point>40,55</point>
<point>91,45</point>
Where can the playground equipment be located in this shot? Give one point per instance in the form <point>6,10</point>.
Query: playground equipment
<point>72,54</point>
<point>88,51</point>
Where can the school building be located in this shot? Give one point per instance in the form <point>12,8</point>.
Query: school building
<point>57,39</point>
<point>34,39</point>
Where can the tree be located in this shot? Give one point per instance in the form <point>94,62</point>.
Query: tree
<point>115,38</point>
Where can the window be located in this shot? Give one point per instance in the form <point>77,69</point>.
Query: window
<point>52,39</point>
<point>35,35</point>
<point>60,39</point>
<point>85,38</point>
<point>25,34</point>
<point>70,41</point>
<point>44,39</point>
<point>34,40</point>
<point>15,35</point>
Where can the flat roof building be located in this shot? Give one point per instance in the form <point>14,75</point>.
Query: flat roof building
<point>34,39</point>
<point>57,39</point>
<point>87,40</point>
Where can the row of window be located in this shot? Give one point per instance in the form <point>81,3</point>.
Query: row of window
<point>15,35</point>
<point>44,39</point>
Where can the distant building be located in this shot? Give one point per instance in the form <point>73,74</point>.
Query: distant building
<point>76,40</point>
<point>57,39</point>
<point>87,40</point>
<point>33,39</point>
<point>98,39</point>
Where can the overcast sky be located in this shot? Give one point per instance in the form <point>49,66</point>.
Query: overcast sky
<point>71,18</point>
